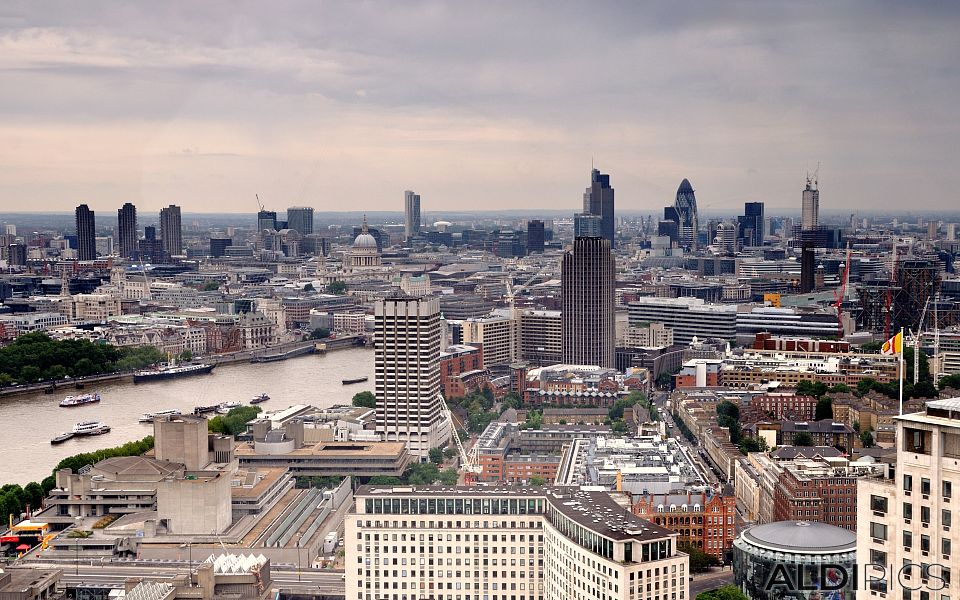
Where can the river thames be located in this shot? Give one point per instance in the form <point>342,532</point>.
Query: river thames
<point>30,421</point>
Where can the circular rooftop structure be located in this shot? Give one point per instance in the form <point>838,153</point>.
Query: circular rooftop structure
<point>801,537</point>
<point>365,240</point>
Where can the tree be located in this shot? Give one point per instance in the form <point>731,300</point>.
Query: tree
<point>871,347</point>
<point>802,438</point>
<point>309,288</point>
<point>186,356</point>
<point>449,476</point>
<point>31,373</point>
<point>700,561</point>
<point>752,444</point>
<point>537,481</point>
<point>729,409</point>
<point>950,381</point>
<point>319,333</point>
<point>234,422</point>
<point>509,401</point>
<point>365,399</point>
<point>211,286</point>
<point>727,592</point>
<point>385,480</point>
<point>450,453</point>
<point>534,420</point>
<point>619,426</point>
<point>337,288</point>
<point>665,380</point>
<point>34,494</point>
<point>422,474</point>
<point>866,438</point>
<point>436,456</point>
<point>811,388</point>
<point>824,408</point>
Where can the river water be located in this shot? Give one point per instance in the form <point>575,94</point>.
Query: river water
<point>27,422</point>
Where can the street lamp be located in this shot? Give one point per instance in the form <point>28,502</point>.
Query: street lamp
<point>76,544</point>
<point>189,547</point>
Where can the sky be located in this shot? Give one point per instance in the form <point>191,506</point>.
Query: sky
<point>477,105</point>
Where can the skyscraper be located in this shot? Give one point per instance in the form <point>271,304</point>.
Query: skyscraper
<point>300,218</point>
<point>86,233</point>
<point>411,210</point>
<point>171,230</point>
<point>407,358</point>
<point>751,224</point>
<point>266,219</point>
<point>598,200</point>
<point>811,205</point>
<point>535,236</point>
<point>587,225</point>
<point>587,280</point>
<point>688,224</point>
<point>127,230</point>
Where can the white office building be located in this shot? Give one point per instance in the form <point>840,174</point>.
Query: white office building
<point>407,357</point>
<point>687,317</point>
<point>508,543</point>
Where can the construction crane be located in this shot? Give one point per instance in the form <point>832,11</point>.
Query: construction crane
<point>916,342</point>
<point>260,204</point>
<point>511,291</point>
<point>841,293</point>
<point>888,301</point>
<point>469,463</point>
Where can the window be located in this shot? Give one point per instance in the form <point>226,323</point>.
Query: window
<point>878,531</point>
<point>907,540</point>
<point>925,515</point>
<point>945,547</point>
<point>878,504</point>
<point>908,483</point>
<point>924,486</point>
<point>946,518</point>
<point>947,490</point>
<point>925,543</point>
<point>907,511</point>
<point>877,557</point>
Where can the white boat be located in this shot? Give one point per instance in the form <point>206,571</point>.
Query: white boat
<point>80,400</point>
<point>90,428</point>
<point>261,398</point>
<point>225,407</point>
<point>149,417</point>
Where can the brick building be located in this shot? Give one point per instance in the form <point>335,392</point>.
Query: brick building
<point>816,493</point>
<point>706,521</point>
<point>781,406</point>
<point>461,371</point>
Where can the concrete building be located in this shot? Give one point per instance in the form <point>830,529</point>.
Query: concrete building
<point>91,308</point>
<point>687,317</point>
<point>497,334</point>
<point>127,230</point>
<point>908,522</point>
<point>407,341</point>
<point>645,335</point>
<point>26,583</point>
<point>541,336</point>
<point>598,201</point>
<point>810,208</point>
<point>300,219</point>
<point>588,276</point>
<point>171,230</point>
<point>86,233</point>
<point>512,543</point>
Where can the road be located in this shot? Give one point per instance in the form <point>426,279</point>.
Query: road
<point>709,581</point>
<point>327,581</point>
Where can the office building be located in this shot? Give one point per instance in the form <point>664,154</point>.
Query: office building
<point>587,281</point>
<point>171,230</point>
<point>705,520</point>
<point>407,358</point>
<point>908,522</point>
<point>150,247</point>
<point>509,543</point>
<point>86,233</point>
<point>585,225</point>
<point>535,236</point>
<point>541,336</point>
<point>751,224</point>
<point>219,245</point>
<point>687,317</point>
<point>411,213</point>
<point>497,334</point>
<point>598,201</point>
<point>687,218</point>
<point>266,220</point>
<point>810,217</point>
<point>127,230</point>
<point>300,219</point>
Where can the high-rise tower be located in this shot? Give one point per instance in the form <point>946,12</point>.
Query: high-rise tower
<point>535,236</point>
<point>407,357</point>
<point>300,218</point>
<point>811,205</point>
<point>127,230</point>
<point>587,321</point>
<point>86,233</point>
<point>751,224</point>
<point>411,212</point>
<point>171,231</point>
<point>598,201</point>
<point>688,224</point>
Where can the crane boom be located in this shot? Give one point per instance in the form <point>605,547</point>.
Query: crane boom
<point>916,342</point>
<point>469,463</point>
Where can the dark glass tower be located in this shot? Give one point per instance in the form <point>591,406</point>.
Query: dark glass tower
<point>86,233</point>
<point>535,236</point>
<point>266,219</point>
<point>127,230</point>
<point>688,220</point>
<point>750,224</point>
<point>587,318</point>
<point>300,218</point>
<point>598,201</point>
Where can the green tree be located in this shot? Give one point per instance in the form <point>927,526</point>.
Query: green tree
<point>509,401</point>
<point>366,399</point>
<point>619,426</point>
<point>337,288</point>
<point>950,381</point>
<point>537,481</point>
<point>186,356</point>
<point>871,347</point>
<point>422,474</point>
<point>436,456</point>
<point>727,592</point>
<point>234,422</point>
<point>802,438</point>
<point>665,380</point>
<point>700,561</point>
<point>449,476</point>
<point>211,286</point>
<point>34,494</point>
<point>309,288</point>
<point>811,388</point>
<point>319,333</point>
<point>534,420</point>
<point>450,453</point>
<point>385,480</point>
<point>30,373</point>
<point>824,408</point>
<point>728,409</point>
<point>866,438</point>
<point>55,372</point>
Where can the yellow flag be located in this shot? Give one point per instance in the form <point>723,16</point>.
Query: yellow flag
<point>894,345</point>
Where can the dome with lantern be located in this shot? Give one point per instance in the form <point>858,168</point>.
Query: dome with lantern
<point>365,253</point>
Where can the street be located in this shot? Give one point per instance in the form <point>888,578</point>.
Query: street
<point>709,581</point>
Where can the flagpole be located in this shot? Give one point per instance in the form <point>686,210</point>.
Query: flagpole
<point>901,370</point>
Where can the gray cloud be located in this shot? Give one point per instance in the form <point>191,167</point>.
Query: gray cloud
<point>484,104</point>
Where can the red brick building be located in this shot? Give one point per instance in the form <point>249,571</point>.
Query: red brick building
<point>706,521</point>
<point>784,406</point>
<point>454,364</point>
<point>823,495</point>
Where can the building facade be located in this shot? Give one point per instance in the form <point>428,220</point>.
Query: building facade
<point>300,218</point>
<point>411,214</point>
<point>598,201</point>
<point>588,276</point>
<point>705,521</point>
<point>86,233</point>
<point>171,230</point>
<point>127,230</point>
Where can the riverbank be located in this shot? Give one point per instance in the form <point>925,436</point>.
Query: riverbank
<point>217,359</point>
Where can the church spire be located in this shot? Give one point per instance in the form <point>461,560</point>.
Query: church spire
<point>364,228</point>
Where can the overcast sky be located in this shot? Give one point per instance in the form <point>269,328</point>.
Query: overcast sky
<point>486,105</point>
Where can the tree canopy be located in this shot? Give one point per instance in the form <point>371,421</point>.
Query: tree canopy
<point>366,399</point>
<point>727,592</point>
<point>234,422</point>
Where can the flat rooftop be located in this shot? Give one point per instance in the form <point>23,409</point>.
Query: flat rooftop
<point>333,449</point>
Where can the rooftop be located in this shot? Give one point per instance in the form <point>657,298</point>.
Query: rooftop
<point>801,537</point>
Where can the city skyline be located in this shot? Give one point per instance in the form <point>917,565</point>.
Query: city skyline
<point>208,110</point>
